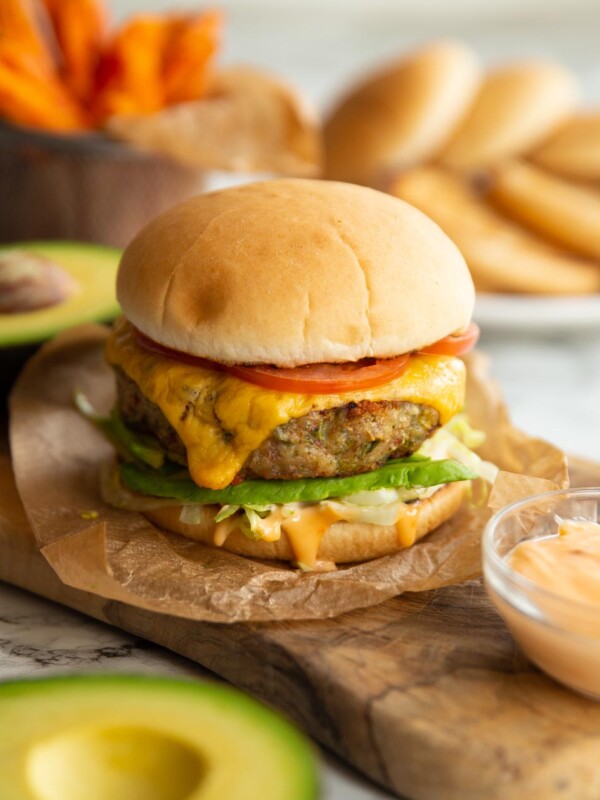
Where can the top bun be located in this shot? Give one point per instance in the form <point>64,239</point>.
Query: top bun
<point>574,149</point>
<point>403,114</point>
<point>292,272</point>
<point>517,107</point>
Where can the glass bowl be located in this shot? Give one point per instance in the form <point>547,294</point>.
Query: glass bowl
<point>559,634</point>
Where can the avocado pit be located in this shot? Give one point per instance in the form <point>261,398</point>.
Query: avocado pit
<point>29,281</point>
<point>120,763</point>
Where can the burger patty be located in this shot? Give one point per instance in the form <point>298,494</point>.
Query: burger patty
<point>356,437</point>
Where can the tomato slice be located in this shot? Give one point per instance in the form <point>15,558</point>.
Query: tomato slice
<point>310,379</point>
<point>454,345</point>
<point>177,355</point>
<point>325,378</point>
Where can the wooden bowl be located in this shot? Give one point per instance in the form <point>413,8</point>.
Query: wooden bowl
<point>87,188</point>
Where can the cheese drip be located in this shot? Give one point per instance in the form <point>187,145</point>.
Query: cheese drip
<point>221,419</point>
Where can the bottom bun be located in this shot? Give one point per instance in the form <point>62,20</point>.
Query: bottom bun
<point>343,542</point>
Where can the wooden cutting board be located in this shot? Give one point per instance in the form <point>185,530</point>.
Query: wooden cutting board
<point>426,694</point>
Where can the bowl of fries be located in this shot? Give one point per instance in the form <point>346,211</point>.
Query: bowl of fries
<point>87,188</point>
<point>102,126</point>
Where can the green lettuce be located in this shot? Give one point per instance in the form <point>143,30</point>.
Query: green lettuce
<point>129,444</point>
<point>405,473</point>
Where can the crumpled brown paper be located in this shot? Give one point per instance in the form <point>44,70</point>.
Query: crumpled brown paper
<point>250,121</point>
<point>120,555</point>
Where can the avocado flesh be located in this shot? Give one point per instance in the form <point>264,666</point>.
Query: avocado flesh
<point>94,268</point>
<point>139,738</point>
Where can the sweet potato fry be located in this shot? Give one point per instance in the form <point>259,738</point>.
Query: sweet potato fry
<point>80,28</point>
<point>20,28</point>
<point>129,76</point>
<point>22,61</point>
<point>191,46</point>
<point>38,102</point>
<point>501,255</point>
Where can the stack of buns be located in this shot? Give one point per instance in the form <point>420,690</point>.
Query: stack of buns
<point>502,160</point>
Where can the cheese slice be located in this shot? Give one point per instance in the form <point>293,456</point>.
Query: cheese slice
<point>221,419</point>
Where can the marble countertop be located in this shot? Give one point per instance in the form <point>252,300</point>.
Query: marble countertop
<point>40,639</point>
<point>551,382</point>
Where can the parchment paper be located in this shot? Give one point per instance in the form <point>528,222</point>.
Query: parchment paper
<point>120,555</point>
<point>250,121</point>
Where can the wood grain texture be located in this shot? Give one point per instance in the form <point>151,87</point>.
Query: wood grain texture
<point>426,694</point>
<point>87,192</point>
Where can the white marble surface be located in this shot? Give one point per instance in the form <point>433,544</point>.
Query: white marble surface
<point>39,639</point>
<point>552,383</point>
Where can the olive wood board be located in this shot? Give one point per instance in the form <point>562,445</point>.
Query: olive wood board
<point>425,694</point>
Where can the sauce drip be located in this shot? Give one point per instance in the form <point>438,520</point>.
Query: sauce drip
<point>406,525</point>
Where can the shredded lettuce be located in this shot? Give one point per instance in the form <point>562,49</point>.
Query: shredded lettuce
<point>129,444</point>
<point>225,512</point>
<point>460,427</point>
<point>454,441</point>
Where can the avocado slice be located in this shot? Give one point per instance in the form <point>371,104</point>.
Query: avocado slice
<point>146,738</point>
<point>92,267</point>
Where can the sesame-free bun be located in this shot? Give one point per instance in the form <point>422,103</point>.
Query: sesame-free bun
<point>292,272</point>
<point>342,543</point>
<point>562,210</point>
<point>518,106</point>
<point>502,255</point>
<point>401,115</point>
<point>574,149</point>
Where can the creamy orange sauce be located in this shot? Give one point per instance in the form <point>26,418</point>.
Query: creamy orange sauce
<point>406,525</point>
<point>306,530</point>
<point>223,529</point>
<point>305,526</point>
<point>562,636</point>
<point>567,564</point>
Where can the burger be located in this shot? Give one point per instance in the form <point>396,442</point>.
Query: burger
<point>288,376</point>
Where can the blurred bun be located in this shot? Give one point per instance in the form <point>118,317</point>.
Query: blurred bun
<point>565,212</point>
<point>517,107</point>
<point>401,115</point>
<point>293,272</point>
<point>343,542</point>
<point>574,149</point>
<point>501,255</point>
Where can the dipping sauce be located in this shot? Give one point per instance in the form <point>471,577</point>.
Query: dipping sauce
<point>567,564</point>
<point>556,620</point>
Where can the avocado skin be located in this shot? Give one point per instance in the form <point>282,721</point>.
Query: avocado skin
<point>22,334</point>
<point>304,783</point>
<point>94,269</point>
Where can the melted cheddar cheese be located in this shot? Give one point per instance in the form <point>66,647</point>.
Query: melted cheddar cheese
<point>222,419</point>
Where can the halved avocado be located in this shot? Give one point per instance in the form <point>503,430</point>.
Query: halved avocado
<point>140,738</point>
<point>92,267</point>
